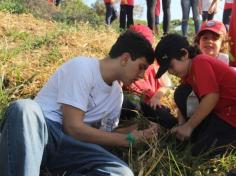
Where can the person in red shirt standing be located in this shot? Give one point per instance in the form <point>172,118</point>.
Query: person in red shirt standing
<point>110,11</point>
<point>126,14</point>
<point>213,124</point>
<point>227,12</point>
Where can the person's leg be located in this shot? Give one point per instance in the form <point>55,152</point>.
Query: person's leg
<point>57,2</point>
<point>151,4</point>
<point>185,5</point>
<point>196,18</point>
<point>24,137</point>
<point>157,22</point>
<point>108,13</point>
<point>226,17</point>
<point>114,14</point>
<point>122,17</point>
<point>210,16</point>
<point>166,15</point>
<point>130,18</point>
<point>130,107</point>
<point>69,156</point>
<point>180,96</point>
<point>212,135</point>
<point>204,16</point>
<point>160,115</point>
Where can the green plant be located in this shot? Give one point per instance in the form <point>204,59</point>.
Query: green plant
<point>74,11</point>
<point>12,6</point>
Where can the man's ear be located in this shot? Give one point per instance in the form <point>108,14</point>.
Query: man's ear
<point>184,54</point>
<point>124,58</point>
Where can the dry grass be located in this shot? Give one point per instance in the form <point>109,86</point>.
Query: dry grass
<point>32,49</point>
<point>36,48</point>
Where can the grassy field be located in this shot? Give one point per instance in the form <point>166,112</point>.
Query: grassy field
<point>32,48</point>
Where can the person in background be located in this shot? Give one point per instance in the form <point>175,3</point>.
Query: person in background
<point>232,33</point>
<point>207,9</point>
<point>166,16</point>
<point>75,115</point>
<point>227,11</point>
<point>126,13</point>
<point>151,4</point>
<point>212,40</point>
<point>110,11</point>
<point>157,15</point>
<point>186,5</point>
<point>213,125</point>
<point>149,91</point>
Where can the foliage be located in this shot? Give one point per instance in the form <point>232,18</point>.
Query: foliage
<point>74,11</point>
<point>99,7</point>
<point>12,6</point>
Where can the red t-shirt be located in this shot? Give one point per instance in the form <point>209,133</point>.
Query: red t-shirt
<point>157,8</point>
<point>147,86</point>
<point>209,75</point>
<point>127,2</point>
<point>108,1</point>
<point>228,4</point>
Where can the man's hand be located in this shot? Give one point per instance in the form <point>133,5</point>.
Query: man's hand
<point>182,132</point>
<point>148,133</point>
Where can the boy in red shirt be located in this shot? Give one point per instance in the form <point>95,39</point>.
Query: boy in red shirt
<point>213,124</point>
<point>150,89</point>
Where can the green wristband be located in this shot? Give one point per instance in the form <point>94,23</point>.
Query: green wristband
<point>131,139</point>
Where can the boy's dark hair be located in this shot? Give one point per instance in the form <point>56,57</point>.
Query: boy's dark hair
<point>170,47</point>
<point>133,43</point>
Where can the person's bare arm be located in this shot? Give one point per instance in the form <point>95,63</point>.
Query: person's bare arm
<point>213,6</point>
<point>206,105</point>
<point>74,126</point>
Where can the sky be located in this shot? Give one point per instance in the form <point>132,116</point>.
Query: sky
<point>176,12</point>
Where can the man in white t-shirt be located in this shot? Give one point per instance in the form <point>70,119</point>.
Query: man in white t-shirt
<point>75,114</point>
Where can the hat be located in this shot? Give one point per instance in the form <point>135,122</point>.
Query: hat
<point>169,47</point>
<point>215,26</point>
<point>144,30</point>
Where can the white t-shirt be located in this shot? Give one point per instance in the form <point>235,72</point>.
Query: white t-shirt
<point>206,5</point>
<point>224,58</point>
<point>79,83</point>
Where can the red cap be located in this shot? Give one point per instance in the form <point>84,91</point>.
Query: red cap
<point>215,26</point>
<point>144,30</point>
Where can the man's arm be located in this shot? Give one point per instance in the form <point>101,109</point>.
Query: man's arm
<point>74,126</point>
<point>206,105</point>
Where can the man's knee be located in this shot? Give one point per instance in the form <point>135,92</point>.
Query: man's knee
<point>125,170</point>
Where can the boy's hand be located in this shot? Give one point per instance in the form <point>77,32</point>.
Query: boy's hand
<point>182,132</point>
<point>155,102</point>
<point>146,133</point>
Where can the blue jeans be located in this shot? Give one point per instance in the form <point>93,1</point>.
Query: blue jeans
<point>30,143</point>
<point>166,15</point>
<point>110,13</point>
<point>186,4</point>
<point>151,4</point>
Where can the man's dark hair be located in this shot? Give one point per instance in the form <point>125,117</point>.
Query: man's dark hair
<point>133,43</point>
